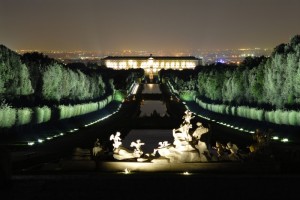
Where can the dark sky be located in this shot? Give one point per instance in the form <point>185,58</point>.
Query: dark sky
<point>147,24</point>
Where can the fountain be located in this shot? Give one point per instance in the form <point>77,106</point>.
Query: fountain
<point>187,152</point>
<point>177,149</point>
<point>186,147</point>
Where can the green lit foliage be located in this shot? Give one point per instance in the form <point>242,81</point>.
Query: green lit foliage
<point>43,114</point>
<point>187,95</point>
<point>60,83</point>
<point>213,85</point>
<point>281,84</point>
<point>251,113</point>
<point>104,102</point>
<point>2,80</point>
<point>292,118</point>
<point>219,108</point>
<point>8,115</point>
<point>273,81</point>
<point>24,116</point>
<point>52,84</point>
<point>14,76</point>
<point>256,81</point>
<point>37,63</point>
<point>252,89</point>
<point>233,89</point>
<point>68,111</point>
<point>76,110</point>
<point>119,95</point>
<point>31,81</point>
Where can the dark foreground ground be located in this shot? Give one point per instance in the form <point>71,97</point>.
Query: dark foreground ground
<point>92,185</point>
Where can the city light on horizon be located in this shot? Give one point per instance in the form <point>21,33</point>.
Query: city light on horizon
<point>151,26</point>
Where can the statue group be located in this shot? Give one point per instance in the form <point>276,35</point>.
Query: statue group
<point>187,146</point>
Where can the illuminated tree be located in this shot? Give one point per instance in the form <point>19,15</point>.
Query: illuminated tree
<point>37,63</point>
<point>288,88</point>
<point>52,83</point>
<point>14,76</point>
<point>213,86</point>
<point>256,82</point>
<point>297,84</point>
<point>25,87</point>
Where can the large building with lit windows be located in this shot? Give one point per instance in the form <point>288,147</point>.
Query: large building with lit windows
<point>151,64</point>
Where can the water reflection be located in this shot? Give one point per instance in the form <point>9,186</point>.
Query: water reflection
<point>151,89</point>
<point>148,107</point>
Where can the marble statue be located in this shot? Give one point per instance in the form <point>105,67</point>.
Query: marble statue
<point>163,144</point>
<point>163,149</point>
<point>187,117</point>
<point>117,140</point>
<point>200,130</point>
<point>122,153</point>
<point>182,132</point>
<point>97,149</point>
<point>221,151</point>
<point>186,147</point>
<point>181,149</point>
<point>233,149</point>
<point>137,151</point>
<point>182,138</point>
<point>201,146</point>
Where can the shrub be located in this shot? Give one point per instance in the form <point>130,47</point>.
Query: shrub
<point>292,117</point>
<point>42,114</point>
<point>8,116</point>
<point>24,116</point>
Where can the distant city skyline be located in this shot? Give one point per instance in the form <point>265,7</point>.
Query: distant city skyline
<point>149,25</point>
<point>234,56</point>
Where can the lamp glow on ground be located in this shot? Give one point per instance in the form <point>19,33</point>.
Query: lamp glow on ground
<point>186,173</point>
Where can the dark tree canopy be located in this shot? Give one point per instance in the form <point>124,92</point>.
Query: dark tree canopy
<point>252,62</point>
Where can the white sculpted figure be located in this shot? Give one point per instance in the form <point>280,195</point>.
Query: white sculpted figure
<point>182,133</point>
<point>163,148</point>
<point>117,140</point>
<point>188,116</point>
<point>163,144</point>
<point>137,145</point>
<point>201,146</point>
<point>120,152</point>
<point>199,131</point>
<point>97,147</point>
<point>233,151</point>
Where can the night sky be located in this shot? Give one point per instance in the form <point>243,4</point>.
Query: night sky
<point>147,24</point>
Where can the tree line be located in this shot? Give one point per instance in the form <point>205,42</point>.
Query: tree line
<point>36,89</point>
<point>263,82</point>
<point>35,79</point>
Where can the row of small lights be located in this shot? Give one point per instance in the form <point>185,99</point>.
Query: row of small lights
<point>39,141</point>
<point>235,127</point>
<point>31,143</point>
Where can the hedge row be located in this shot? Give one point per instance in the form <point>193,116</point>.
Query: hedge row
<point>279,116</point>
<point>10,117</point>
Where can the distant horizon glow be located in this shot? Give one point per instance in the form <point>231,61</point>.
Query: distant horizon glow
<point>140,50</point>
<point>150,26</point>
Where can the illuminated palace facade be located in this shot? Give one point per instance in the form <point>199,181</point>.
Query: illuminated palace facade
<point>151,64</point>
